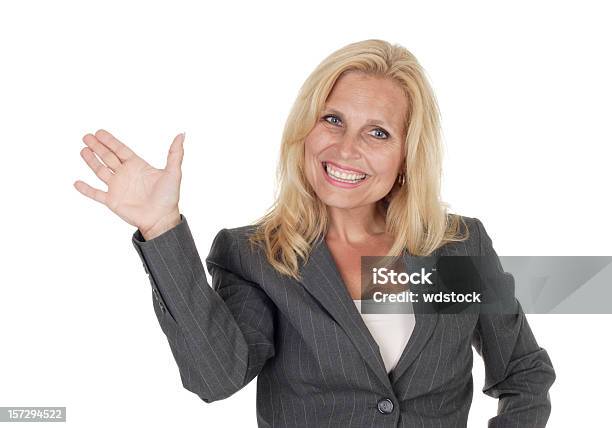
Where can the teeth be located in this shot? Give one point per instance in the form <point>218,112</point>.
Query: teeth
<point>343,176</point>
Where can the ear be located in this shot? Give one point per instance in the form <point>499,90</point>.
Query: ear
<point>402,167</point>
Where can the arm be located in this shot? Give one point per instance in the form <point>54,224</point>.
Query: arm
<point>517,371</point>
<point>220,337</point>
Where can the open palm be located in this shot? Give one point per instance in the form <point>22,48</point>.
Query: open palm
<point>137,192</point>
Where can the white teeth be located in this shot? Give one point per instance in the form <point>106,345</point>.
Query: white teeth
<point>343,176</point>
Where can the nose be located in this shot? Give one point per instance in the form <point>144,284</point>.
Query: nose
<point>348,146</point>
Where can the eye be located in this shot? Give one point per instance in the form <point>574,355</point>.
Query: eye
<point>331,116</point>
<point>334,120</point>
<point>383,132</point>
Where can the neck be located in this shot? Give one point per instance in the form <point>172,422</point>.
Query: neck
<point>355,225</point>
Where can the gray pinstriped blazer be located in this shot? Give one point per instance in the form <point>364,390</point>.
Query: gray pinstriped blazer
<point>317,365</point>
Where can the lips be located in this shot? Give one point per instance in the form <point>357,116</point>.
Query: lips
<point>343,168</point>
<point>342,177</point>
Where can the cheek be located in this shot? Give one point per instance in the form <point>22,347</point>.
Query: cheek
<point>312,150</point>
<point>317,141</point>
<point>385,165</point>
<point>315,146</point>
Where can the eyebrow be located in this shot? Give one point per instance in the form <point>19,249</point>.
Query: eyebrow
<point>372,121</point>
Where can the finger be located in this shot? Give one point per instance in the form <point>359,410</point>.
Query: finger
<point>109,158</point>
<point>122,151</point>
<point>101,170</point>
<point>95,194</point>
<point>175,154</point>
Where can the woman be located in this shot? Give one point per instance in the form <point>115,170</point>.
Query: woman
<point>359,175</point>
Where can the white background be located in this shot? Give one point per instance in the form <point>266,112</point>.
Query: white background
<point>524,91</point>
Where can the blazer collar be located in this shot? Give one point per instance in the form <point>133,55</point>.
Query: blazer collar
<point>322,279</point>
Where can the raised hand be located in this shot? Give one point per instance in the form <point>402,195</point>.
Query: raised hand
<point>144,196</point>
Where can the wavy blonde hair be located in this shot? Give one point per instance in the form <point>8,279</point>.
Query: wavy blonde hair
<point>414,213</point>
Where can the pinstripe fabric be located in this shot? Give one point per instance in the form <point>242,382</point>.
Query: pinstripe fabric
<point>316,363</point>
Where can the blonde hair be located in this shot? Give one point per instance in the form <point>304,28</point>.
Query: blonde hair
<point>415,216</point>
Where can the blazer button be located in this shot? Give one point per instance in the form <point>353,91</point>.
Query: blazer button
<point>385,406</point>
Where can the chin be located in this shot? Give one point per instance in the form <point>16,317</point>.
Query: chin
<point>338,201</point>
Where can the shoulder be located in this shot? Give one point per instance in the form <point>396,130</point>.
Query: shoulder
<point>476,240</point>
<point>235,236</point>
<point>229,237</point>
<point>229,247</point>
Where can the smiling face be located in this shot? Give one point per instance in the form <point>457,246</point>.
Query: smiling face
<point>354,152</point>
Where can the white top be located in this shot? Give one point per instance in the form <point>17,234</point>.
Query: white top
<point>391,332</point>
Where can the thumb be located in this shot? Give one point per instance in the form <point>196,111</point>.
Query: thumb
<point>175,154</point>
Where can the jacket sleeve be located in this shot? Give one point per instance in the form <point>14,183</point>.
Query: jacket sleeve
<point>517,371</point>
<point>220,336</point>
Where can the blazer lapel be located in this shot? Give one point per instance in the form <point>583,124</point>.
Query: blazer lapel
<point>321,278</point>
<point>426,320</point>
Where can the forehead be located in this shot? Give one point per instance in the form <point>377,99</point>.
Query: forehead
<point>363,97</point>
